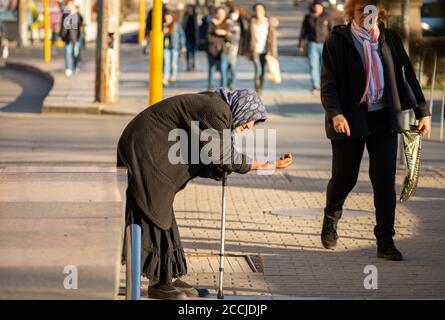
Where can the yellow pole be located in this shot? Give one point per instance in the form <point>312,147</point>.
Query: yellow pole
<point>141,21</point>
<point>156,53</point>
<point>47,41</point>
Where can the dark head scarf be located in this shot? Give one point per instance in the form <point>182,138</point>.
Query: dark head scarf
<point>245,105</point>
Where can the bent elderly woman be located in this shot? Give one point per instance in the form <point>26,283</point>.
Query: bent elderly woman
<point>154,180</point>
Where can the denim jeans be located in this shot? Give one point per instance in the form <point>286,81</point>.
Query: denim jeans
<point>72,54</point>
<point>170,63</point>
<point>260,70</point>
<point>232,73</point>
<point>222,63</point>
<point>315,51</point>
<point>190,56</point>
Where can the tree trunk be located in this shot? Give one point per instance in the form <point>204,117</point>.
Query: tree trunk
<point>22,24</point>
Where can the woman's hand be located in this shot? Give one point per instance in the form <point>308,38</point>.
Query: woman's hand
<point>341,125</point>
<point>284,162</point>
<point>424,125</point>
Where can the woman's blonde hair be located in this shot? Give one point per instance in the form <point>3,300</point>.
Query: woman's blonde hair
<point>350,6</point>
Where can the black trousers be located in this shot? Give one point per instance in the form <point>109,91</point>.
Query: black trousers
<point>347,156</point>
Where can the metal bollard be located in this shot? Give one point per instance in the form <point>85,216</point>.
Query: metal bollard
<point>442,107</point>
<point>433,80</point>
<point>133,262</point>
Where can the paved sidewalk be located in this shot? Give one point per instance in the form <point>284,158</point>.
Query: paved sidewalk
<point>285,250</point>
<point>293,262</point>
<point>61,231</point>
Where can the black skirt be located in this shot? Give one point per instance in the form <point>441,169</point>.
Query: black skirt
<point>162,254</point>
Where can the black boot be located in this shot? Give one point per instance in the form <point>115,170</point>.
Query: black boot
<point>329,234</point>
<point>388,251</point>
<point>165,292</point>
<point>189,290</point>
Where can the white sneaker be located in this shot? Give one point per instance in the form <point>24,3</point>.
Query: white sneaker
<point>77,70</point>
<point>68,72</point>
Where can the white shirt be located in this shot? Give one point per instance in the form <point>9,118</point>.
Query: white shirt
<point>260,33</point>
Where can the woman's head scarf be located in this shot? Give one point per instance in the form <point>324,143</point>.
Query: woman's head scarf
<point>245,105</point>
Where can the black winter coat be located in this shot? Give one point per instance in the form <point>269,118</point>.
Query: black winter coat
<point>144,146</point>
<point>343,82</point>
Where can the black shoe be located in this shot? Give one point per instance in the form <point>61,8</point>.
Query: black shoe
<point>189,290</point>
<point>165,292</point>
<point>329,234</point>
<point>389,253</point>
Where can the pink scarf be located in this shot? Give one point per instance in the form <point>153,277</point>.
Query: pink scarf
<point>375,81</point>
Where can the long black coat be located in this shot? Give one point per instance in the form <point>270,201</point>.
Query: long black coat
<point>144,146</point>
<point>343,82</point>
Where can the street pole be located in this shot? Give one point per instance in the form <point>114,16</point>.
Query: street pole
<point>405,28</point>
<point>47,39</point>
<point>156,54</point>
<point>22,21</point>
<point>433,81</point>
<point>107,51</point>
<point>141,22</point>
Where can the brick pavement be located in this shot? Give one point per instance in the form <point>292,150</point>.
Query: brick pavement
<point>295,264</point>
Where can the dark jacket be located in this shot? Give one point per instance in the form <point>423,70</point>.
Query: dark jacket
<point>216,45</point>
<point>343,82</point>
<point>144,146</point>
<point>148,20</point>
<point>315,29</point>
<point>190,26</point>
<point>71,35</point>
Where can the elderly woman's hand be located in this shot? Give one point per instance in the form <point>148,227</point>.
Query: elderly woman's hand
<point>284,162</point>
<point>424,125</point>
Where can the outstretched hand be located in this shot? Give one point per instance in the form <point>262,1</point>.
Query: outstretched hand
<point>284,161</point>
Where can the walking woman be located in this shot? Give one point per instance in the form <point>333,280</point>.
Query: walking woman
<point>144,149</point>
<point>72,38</point>
<point>361,102</point>
<point>174,45</point>
<point>218,43</point>
<point>191,36</point>
<point>263,42</point>
<point>315,30</point>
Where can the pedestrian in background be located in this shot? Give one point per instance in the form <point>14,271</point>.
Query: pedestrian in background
<point>72,36</point>
<point>218,42</point>
<point>238,28</point>
<point>148,26</point>
<point>191,36</point>
<point>263,42</point>
<point>361,100</point>
<point>204,28</point>
<point>4,45</point>
<point>315,30</point>
<point>174,45</point>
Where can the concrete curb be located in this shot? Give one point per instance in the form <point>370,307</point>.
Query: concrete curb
<point>55,104</point>
<point>32,69</point>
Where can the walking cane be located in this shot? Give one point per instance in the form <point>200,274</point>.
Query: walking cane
<point>223,230</point>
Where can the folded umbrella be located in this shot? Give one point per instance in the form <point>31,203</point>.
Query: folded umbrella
<point>412,147</point>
